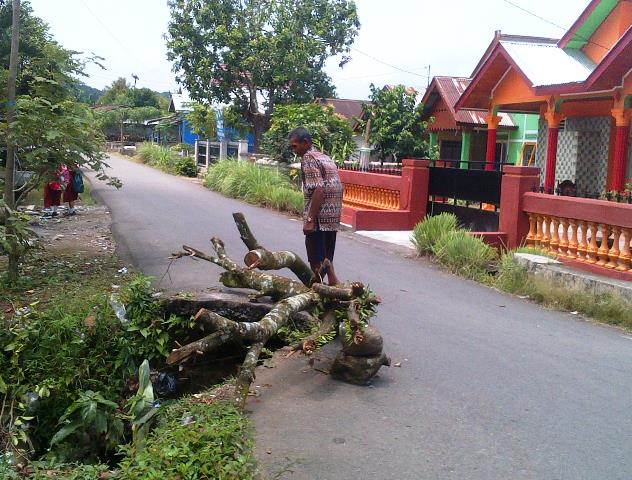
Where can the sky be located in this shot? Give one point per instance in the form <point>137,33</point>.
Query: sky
<point>399,41</point>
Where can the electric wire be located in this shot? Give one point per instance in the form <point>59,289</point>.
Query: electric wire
<point>553,23</point>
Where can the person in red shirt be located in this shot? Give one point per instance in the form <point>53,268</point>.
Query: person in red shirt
<point>53,190</point>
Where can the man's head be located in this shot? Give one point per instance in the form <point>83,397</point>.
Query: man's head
<point>300,141</point>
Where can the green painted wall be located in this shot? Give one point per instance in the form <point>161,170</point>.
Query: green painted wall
<point>527,131</point>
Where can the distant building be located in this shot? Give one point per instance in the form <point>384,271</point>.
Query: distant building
<point>461,135</point>
<point>181,104</point>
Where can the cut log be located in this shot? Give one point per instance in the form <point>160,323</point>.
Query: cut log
<point>229,305</point>
<point>370,346</point>
<point>263,259</point>
<point>295,297</point>
<point>357,370</point>
<point>308,345</point>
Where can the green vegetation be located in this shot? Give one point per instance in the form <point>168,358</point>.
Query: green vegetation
<point>427,232</point>
<point>256,185</point>
<point>469,257</point>
<point>464,254</point>
<point>243,52</point>
<point>166,159</point>
<point>396,127</point>
<point>331,134</point>
<point>67,366</point>
<point>514,278</point>
<point>194,439</point>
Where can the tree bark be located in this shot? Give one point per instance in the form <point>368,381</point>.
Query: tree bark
<point>263,259</point>
<point>257,333</point>
<point>9,173</point>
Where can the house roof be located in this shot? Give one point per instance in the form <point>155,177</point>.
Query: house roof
<point>544,63</point>
<point>450,90</point>
<point>180,102</point>
<point>351,110</point>
<point>586,24</point>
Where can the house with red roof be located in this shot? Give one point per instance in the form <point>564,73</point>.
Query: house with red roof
<point>580,87</point>
<point>461,135</point>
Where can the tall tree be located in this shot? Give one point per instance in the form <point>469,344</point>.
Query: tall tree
<point>394,122</point>
<point>9,180</point>
<point>258,53</point>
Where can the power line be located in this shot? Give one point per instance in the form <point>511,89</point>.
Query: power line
<point>109,32</point>
<point>388,64</point>
<point>384,74</point>
<point>552,23</point>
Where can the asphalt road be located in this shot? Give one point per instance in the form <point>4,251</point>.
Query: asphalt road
<point>490,386</point>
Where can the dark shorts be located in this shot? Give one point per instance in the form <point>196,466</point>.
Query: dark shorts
<point>320,245</point>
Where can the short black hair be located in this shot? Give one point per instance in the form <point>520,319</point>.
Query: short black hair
<point>300,134</point>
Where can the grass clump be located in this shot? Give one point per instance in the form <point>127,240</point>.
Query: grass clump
<point>166,159</point>
<point>428,232</point>
<point>194,440</point>
<point>605,308</point>
<point>256,185</point>
<point>464,254</point>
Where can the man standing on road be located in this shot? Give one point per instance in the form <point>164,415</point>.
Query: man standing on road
<point>322,193</point>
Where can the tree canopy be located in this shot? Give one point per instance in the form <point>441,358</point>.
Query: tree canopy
<point>331,134</point>
<point>51,127</point>
<point>395,123</point>
<point>258,53</point>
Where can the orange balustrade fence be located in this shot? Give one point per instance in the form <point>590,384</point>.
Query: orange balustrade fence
<point>370,190</point>
<point>370,197</point>
<point>594,232</point>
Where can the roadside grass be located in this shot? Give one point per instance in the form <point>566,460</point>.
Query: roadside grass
<point>194,439</point>
<point>463,254</point>
<point>471,258</point>
<point>255,185</point>
<point>60,339</point>
<point>427,232</point>
<point>165,159</point>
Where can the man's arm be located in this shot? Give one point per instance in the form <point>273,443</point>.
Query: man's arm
<point>318,196</point>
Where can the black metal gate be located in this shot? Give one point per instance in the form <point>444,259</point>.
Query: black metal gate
<point>473,195</point>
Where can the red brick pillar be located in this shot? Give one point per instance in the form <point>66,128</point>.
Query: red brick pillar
<point>493,121</point>
<point>512,220</point>
<point>551,160</point>
<point>414,191</point>
<point>620,157</point>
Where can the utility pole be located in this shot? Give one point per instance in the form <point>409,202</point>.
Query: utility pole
<point>9,174</point>
<point>9,177</point>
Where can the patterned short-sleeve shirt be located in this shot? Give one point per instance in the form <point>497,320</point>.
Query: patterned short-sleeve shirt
<point>318,170</point>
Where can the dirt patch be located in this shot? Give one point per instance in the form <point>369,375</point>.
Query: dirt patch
<point>87,232</point>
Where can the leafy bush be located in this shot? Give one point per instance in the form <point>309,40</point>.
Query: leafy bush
<point>397,125</point>
<point>257,185</point>
<point>428,232</point>
<point>185,166</point>
<point>464,254</point>
<point>51,358</point>
<point>330,133</point>
<point>194,440</point>
<point>166,159</point>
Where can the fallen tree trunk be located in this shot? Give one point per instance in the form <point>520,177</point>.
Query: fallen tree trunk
<point>294,297</point>
<point>263,259</point>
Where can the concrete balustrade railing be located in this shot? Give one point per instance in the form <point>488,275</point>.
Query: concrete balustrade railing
<point>596,233</point>
<point>377,201</point>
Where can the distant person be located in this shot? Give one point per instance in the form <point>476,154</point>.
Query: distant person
<point>72,191</point>
<point>322,194</point>
<point>53,190</point>
<point>567,189</point>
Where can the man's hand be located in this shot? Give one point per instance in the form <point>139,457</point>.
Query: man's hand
<point>309,225</point>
